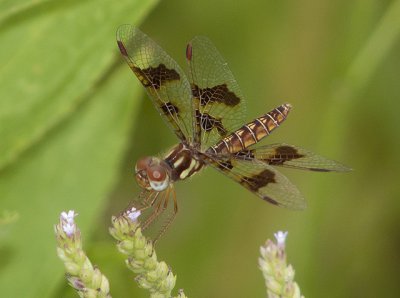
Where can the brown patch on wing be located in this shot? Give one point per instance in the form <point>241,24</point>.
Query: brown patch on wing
<point>279,157</point>
<point>225,165</point>
<point>255,182</point>
<point>245,154</point>
<point>282,154</point>
<point>208,122</point>
<point>286,150</point>
<point>122,48</point>
<point>189,51</point>
<point>155,76</point>
<point>269,200</point>
<point>320,170</point>
<point>219,94</point>
<point>169,109</point>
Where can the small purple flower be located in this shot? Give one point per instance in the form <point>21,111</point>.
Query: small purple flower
<point>69,229</point>
<point>68,217</point>
<point>133,214</point>
<point>68,223</point>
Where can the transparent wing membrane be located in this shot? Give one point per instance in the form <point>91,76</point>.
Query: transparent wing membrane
<point>218,102</point>
<point>263,180</point>
<point>290,156</point>
<point>165,82</point>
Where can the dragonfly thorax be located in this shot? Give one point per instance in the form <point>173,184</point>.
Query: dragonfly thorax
<point>184,162</point>
<point>152,173</point>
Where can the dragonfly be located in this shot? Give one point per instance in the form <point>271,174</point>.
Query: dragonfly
<point>206,110</point>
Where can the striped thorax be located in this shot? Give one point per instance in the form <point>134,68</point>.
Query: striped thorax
<point>183,162</point>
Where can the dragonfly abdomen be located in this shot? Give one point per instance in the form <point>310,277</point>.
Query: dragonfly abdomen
<point>252,132</point>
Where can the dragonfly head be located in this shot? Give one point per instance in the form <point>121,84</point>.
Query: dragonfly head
<point>152,174</point>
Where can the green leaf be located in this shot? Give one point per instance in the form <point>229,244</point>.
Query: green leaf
<point>73,168</point>
<point>66,112</point>
<point>53,53</point>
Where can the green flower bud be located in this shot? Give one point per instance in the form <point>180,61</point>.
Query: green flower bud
<point>153,275</point>
<point>82,276</point>
<point>279,278</point>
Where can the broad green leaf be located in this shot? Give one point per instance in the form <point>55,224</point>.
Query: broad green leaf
<point>66,112</point>
<point>51,55</point>
<point>73,168</point>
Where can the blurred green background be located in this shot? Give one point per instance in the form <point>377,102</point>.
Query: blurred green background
<point>74,119</point>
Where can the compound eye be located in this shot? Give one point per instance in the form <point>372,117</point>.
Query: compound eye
<point>158,177</point>
<point>156,173</point>
<point>142,164</point>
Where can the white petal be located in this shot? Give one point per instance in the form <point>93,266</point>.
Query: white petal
<point>69,229</point>
<point>281,238</point>
<point>68,216</point>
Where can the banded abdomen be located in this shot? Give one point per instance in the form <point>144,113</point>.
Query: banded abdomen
<point>252,132</point>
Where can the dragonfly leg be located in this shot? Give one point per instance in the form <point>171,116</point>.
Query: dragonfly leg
<point>170,218</point>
